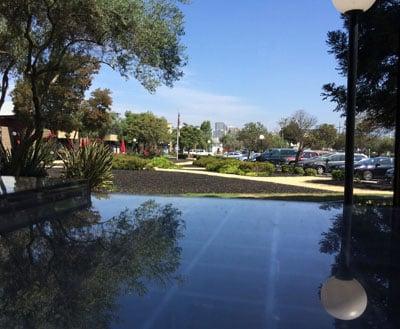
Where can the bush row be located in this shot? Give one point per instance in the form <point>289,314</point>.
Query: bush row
<point>233,166</point>
<point>133,162</point>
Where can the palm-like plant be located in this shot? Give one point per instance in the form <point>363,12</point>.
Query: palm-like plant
<point>92,162</point>
<point>32,163</point>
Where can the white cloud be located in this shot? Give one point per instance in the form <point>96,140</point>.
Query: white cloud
<point>197,105</point>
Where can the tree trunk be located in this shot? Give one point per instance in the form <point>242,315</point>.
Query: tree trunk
<point>299,152</point>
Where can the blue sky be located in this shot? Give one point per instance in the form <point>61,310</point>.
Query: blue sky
<point>253,60</point>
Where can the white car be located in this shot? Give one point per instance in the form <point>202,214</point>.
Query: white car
<point>201,152</point>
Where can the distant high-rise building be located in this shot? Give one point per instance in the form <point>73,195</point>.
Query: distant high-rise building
<point>233,130</point>
<point>220,130</point>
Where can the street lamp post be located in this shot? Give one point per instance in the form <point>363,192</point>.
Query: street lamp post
<point>396,177</point>
<point>262,138</point>
<point>134,144</point>
<point>208,144</point>
<point>352,9</point>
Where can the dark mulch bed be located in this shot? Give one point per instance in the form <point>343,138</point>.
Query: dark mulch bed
<point>380,186</point>
<point>158,182</point>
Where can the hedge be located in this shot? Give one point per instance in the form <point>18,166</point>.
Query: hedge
<point>338,175</point>
<point>129,162</point>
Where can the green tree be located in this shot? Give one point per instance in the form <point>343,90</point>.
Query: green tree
<point>297,129</point>
<point>323,136</point>
<point>62,102</point>
<point>149,130</point>
<point>96,117</point>
<point>231,142</point>
<point>206,132</point>
<point>377,73</point>
<point>139,38</point>
<point>250,136</point>
<point>190,137</point>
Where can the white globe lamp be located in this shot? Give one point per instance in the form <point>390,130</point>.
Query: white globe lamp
<point>344,299</point>
<point>345,6</point>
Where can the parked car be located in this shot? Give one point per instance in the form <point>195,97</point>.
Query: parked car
<point>305,156</point>
<point>233,155</point>
<point>277,156</point>
<point>373,168</point>
<point>253,157</point>
<point>330,162</point>
<point>200,152</point>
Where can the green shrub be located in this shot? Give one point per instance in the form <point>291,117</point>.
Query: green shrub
<point>217,164</point>
<point>230,168</point>
<point>310,172</point>
<point>338,175</point>
<point>161,162</point>
<point>258,168</point>
<point>299,171</point>
<point>129,162</point>
<point>183,156</point>
<point>287,169</point>
<point>33,162</point>
<point>93,162</point>
<point>205,160</point>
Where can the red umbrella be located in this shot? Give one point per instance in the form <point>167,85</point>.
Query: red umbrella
<point>122,147</point>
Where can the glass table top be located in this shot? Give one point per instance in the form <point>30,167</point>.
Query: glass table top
<point>140,262</point>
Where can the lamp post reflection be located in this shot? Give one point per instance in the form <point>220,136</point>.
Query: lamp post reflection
<point>342,295</point>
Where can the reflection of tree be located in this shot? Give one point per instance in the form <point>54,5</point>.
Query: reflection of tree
<point>372,263</point>
<point>68,273</point>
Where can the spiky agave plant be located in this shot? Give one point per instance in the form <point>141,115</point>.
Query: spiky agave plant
<point>92,162</point>
<point>33,163</point>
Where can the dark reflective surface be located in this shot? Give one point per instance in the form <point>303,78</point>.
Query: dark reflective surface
<point>198,263</point>
<point>10,184</point>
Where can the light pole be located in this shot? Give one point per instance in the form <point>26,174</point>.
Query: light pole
<point>262,138</point>
<point>134,144</point>
<point>209,143</point>
<point>396,178</point>
<point>352,9</point>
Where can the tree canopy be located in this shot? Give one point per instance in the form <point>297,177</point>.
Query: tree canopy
<point>96,117</point>
<point>148,129</point>
<point>297,128</point>
<point>377,73</point>
<point>250,135</point>
<point>43,42</point>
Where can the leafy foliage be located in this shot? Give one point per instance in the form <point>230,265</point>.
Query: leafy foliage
<point>81,264</point>
<point>148,129</point>
<point>233,166</point>
<point>34,162</point>
<point>161,162</point>
<point>377,73</point>
<point>129,162</point>
<point>48,46</point>
<point>299,171</point>
<point>310,172</point>
<point>92,162</point>
<point>250,135</point>
<point>287,169</point>
<point>296,129</point>
<point>95,114</point>
<point>338,175</point>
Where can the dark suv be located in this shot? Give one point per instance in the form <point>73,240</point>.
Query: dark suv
<point>373,168</point>
<point>329,162</point>
<point>277,156</point>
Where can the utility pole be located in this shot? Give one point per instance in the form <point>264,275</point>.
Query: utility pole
<point>396,178</point>
<point>177,136</point>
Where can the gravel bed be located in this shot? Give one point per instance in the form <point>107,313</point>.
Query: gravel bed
<point>158,182</point>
